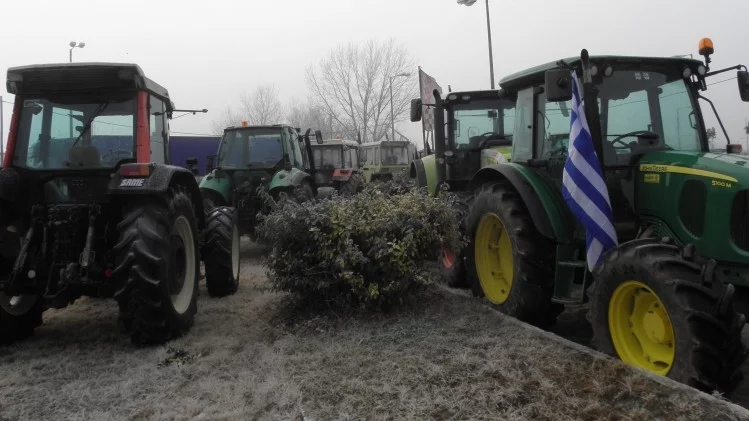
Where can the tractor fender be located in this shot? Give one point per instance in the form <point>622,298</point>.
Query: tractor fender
<point>424,171</point>
<point>214,186</point>
<point>289,179</point>
<point>157,183</point>
<point>545,205</point>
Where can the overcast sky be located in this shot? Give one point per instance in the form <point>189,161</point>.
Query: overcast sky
<point>206,52</point>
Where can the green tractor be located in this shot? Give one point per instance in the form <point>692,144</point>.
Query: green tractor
<point>385,158</point>
<point>479,133</point>
<point>663,297</point>
<point>276,159</point>
<point>90,206</point>
<point>337,165</point>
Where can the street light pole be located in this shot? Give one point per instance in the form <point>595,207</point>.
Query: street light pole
<point>73,44</point>
<point>392,111</point>
<point>488,34</point>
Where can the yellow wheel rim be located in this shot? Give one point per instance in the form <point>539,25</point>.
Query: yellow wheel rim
<point>493,254</point>
<point>641,330</point>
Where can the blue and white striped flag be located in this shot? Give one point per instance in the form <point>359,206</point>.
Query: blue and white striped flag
<point>584,188</point>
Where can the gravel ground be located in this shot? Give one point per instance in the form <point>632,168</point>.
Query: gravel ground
<point>255,355</point>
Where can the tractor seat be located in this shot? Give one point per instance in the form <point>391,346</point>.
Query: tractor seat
<point>84,156</point>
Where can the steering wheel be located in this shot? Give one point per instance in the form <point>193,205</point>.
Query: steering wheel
<point>648,134</point>
<point>128,154</point>
<point>489,136</point>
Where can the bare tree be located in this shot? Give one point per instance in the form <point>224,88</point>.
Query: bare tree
<point>306,115</point>
<point>263,106</point>
<point>228,118</point>
<point>352,84</point>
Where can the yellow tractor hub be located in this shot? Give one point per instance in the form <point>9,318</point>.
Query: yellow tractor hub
<point>493,251</point>
<point>640,328</point>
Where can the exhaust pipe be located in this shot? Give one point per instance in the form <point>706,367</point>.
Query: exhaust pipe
<point>439,140</point>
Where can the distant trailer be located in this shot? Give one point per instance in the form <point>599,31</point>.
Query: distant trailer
<point>201,147</point>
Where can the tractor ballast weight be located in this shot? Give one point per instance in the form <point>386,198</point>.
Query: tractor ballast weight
<point>103,215</point>
<point>673,255</point>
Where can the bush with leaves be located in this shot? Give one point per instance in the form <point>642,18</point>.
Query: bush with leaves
<point>368,250</point>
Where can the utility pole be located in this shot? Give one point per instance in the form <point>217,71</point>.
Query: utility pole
<point>392,112</point>
<point>488,34</point>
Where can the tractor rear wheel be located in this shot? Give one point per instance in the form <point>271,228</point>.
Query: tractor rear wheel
<point>352,186</point>
<point>453,265</point>
<point>157,254</point>
<point>657,306</point>
<point>221,252</point>
<point>509,262</point>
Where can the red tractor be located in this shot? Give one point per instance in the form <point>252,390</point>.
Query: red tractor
<point>90,206</point>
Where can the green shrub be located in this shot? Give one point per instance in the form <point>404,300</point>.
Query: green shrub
<point>367,250</point>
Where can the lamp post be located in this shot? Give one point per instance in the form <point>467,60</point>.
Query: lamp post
<point>392,112</point>
<point>74,44</point>
<point>489,35</point>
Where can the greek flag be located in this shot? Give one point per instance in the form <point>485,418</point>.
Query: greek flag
<point>584,188</point>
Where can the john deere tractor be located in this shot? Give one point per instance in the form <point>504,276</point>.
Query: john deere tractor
<point>479,131</point>
<point>89,205</point>
<point>276,159</point>
<point>663,297</point>
<point>337,165</point>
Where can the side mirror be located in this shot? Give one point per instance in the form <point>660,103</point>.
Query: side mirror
<point>318,137</point>
<point>191,162</point>
<point>416,109</point>
<point>743,77</point>
<point>558,85</point>
<point>733,148</point>
<point>209,163</point>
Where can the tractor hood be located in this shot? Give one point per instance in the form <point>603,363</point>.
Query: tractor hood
<point>725,167</point>
<point>225,181</point>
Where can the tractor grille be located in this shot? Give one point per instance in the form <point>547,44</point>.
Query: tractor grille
<point>739,220</point>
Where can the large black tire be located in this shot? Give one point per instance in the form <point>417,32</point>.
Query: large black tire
<point>352,186</point>
<point>221,252</point>
<point>19,316</point>
<point>157,253</point>
<point>453,265</point>
<point>531,266</point>
<point>705,328</point>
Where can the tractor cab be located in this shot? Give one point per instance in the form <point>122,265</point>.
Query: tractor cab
<point>74,125</point>
<point>338,165</point>
<point>479,128</point>
<point>385,158</point>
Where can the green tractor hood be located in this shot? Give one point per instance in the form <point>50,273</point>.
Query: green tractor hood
<point>698,198</point>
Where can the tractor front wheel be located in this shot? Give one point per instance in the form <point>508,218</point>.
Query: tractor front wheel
<point>19,316</point>
<point>657,306</point>
<point>303,192</point>
<point>352,186</point>
<point>221,252</point>
<point>509,262</point>
<point>157,255</point>
<point>452,264</point>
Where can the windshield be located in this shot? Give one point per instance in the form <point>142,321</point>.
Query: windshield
<point>655,104</point>
<point>254,147</point>
<point>474,122</point>
<point>327,156</point>
<point>395,155</point>
<point>62,134</point>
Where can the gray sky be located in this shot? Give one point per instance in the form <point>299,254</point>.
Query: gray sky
<point>206,53</point>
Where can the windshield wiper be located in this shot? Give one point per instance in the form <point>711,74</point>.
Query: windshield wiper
<point>100,109</point>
